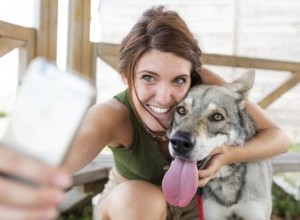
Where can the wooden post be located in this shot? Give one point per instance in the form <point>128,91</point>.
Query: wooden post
<point>47,31</point>
<point>80,49</point>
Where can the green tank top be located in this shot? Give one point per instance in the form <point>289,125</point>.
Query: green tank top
<point>142,160</point>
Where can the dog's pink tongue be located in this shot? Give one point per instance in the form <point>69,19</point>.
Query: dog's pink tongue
<point>180,182</point>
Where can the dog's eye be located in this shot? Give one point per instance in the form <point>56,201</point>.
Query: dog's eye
<point>181,110</point>
<point>216,117</point>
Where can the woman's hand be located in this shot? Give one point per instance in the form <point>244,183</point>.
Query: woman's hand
<point>219,158</point>
<point>20,200</point>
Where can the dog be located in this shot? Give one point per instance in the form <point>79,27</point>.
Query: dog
<point>208,117</point>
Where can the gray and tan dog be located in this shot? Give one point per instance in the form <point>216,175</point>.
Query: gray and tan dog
<point>209,117</point>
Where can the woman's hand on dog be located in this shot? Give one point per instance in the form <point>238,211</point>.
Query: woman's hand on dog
<point>20,200</point>
<point>219,158</point>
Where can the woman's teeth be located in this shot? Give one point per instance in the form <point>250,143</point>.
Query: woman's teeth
<point>158,109</point>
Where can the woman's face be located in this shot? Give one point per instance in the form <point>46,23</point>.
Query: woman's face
<point>161,81</point>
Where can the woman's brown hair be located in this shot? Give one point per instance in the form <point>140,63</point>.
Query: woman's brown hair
<point>164,31</point>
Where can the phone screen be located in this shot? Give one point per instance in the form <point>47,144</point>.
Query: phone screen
<point>49,108</point>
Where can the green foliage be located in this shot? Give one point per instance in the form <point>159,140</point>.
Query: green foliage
<point>284,205</point>
<point>84,213</point>
<point>2,114</point>
<point>294,148</point>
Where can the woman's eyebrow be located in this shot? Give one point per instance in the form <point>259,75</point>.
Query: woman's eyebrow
<point>146,71</point>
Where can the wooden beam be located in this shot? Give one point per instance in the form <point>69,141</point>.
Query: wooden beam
<point>107,49</point>
<point>7,45</point>
<point>247,62</point>
<point>111,61</point>
<point>16,32</point>
<point>47,31</point>
<point>20,33</point>
<point>80,49</point>
<point>98,169</point>
<point>109,53</point>
<point>283,88</point>
<point>288,162</point>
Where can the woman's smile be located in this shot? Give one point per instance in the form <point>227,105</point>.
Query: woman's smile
<point>158,110</point>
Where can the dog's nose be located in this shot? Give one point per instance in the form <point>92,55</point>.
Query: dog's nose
<point>181,142</point>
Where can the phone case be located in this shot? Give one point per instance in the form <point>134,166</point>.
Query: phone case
<point>49,108</point>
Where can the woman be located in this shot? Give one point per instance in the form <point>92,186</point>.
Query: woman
<point>159,61</point>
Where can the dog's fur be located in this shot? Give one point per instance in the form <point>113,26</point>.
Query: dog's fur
<point>209,117</point>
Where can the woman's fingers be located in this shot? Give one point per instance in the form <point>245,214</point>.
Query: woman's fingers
<point>202,182</point>
<point>43,213</point>
<point>205,175</point>
<point>20,200</point>
<point>14,164</point>
<point>13,193</point>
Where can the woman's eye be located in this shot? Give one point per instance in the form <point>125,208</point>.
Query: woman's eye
<point>181,110</point>
<point>216,117</point>
<point>147,78</point>
<point>180,81</point>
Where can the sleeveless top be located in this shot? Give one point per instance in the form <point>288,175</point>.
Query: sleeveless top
<point>142,159</point>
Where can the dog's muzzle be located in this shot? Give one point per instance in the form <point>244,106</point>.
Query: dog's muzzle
<point>181,142</point>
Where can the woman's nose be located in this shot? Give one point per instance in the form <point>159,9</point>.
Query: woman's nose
<point>164,94</point>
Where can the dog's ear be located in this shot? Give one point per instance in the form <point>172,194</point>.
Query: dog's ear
<point>242,85</point>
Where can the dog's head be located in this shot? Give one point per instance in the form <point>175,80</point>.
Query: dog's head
<point>211,116</point>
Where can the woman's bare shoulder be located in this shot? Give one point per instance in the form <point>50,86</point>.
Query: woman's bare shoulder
<point>112,105</point>
<point>112,119</point>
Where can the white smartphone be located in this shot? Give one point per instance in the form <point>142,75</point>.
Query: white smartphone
<point>49,108</point>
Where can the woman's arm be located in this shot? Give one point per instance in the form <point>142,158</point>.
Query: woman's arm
<point>105,124</point>
<point>269,142</point>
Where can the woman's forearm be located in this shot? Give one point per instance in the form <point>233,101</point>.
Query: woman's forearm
<point>266,144</point>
